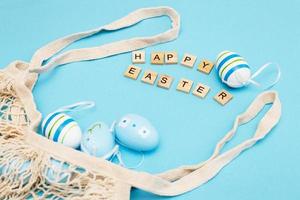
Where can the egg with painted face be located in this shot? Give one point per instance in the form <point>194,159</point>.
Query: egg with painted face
<point>136,133</point>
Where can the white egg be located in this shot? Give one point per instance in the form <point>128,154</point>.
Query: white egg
<point>233,69</point>
<point>62,128</point>
<point>239,78</point>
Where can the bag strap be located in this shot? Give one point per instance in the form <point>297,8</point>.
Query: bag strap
<point>186,178</point>
<point>109,49</point>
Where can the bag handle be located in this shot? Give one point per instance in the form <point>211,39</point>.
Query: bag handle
<point>186,178</point>
<point>109,49</point>
<point>182,179</point>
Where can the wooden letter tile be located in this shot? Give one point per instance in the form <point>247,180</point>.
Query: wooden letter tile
<point>138,57</point>
<point>171,58</point>
<point>201,90</point>
<point>223,97</point>
<point>205,66</point>
<point>157,58</point>
<point>188,60</point>
<point>149,77</point>
<point>185,85</point>
<point>132,72</point>
<point>164,81</point>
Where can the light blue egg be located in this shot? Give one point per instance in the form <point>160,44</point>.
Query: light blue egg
<point>57,172</point>
<point>98,140</point>
<point>136,133</point>
<point>21,170</point>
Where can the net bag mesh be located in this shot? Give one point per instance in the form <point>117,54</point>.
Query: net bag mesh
<point>27,172</point>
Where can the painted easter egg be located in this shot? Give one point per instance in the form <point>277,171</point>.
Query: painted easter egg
<point>233,69</point>
<point>62,128</point>
<point>136,133</point>
<point>98,141</point>
<point>20,170</point>
<point>57,172</point>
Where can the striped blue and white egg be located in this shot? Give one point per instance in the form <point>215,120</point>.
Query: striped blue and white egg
<point>62,128</point>
<point>233,69</point>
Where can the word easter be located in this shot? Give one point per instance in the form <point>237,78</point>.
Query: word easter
<point>184,85</point>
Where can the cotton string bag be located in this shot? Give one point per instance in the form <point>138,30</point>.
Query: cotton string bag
<point>26,158</point>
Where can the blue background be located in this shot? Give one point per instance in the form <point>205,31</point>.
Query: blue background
<point>261,31</point>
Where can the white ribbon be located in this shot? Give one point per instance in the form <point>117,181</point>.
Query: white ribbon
<point>82,105</point>
<point>260,70</point>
